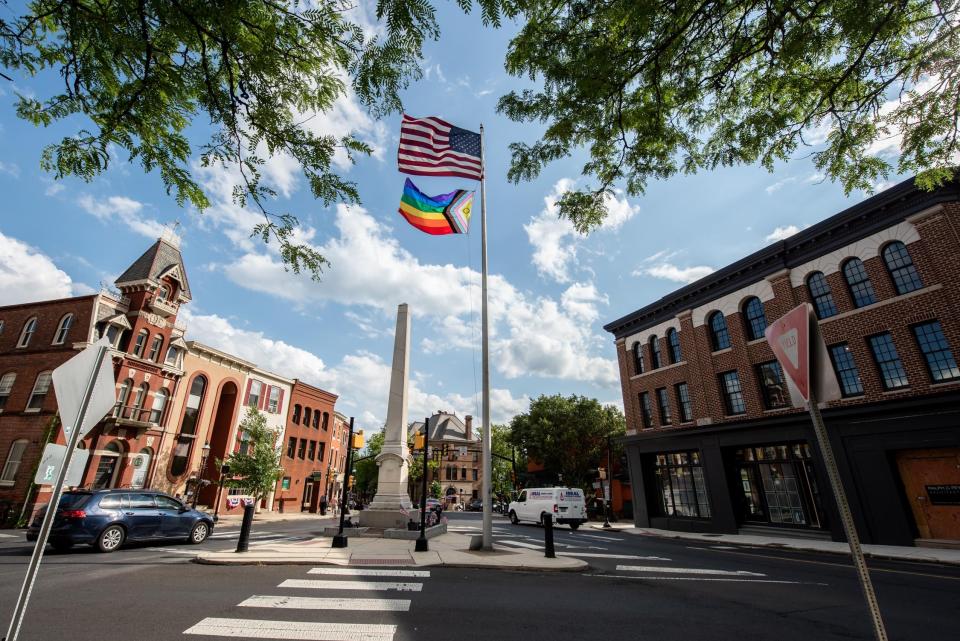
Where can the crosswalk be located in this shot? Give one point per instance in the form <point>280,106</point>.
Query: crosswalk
<point>301,595</point>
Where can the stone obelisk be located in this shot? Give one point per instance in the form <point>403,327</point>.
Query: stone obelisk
<point>392,496</point>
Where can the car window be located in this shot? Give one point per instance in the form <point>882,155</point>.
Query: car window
<point>523,497</point>
<point>167,503</point>
<point>142,502</point>
<point>110,502</point>
<point>72,500</point>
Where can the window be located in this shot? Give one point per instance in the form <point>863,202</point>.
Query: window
<point>772,386</point>
<point>142,502</point>
<point>63,329</point>
<point>243,446</point>
<point>820,294</point>
<point>326,421</point>
<point>167,503</point>
<point>902,270</point>
<point>188,428</point>
<point>885,354</point>
<point>172,355</point>
<point>9,474</point>
<point>320,451</point>
<point>29,328</point>
<point>646,414</point>
<point>141,343</point>
<point>285,484</point>
<point>291,446</point>
<point>463,474</point>
<point>139,399</point>
<point>663,404</point>
<point>861,289</point>
<point>846,370</point>
<point>316,419</point>
<point>159,403</point>
<point>683,400</point>
<point>719,336</point>
<point>474,470</point>
<point>673,345</point>
<point>6,386</point>
<point>39,393</point>
<point>637,358</point>
<point>312,454</point>
<point>253,397</point>
<point>940,362</point>
<point>113,335</point>
<point>296,413</point>
<point>655,352</point>
<point>163,293</point>
<point>1,327</point>
<point>122,396</point>
<point>306,416</point>
<point>155,348</point>
<point>732,393</point>
<point>302,450</point>
<point>273,405</point>
<point>755,319</point>
<point>680,485</point>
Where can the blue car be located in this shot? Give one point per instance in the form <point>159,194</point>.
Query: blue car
<point>106,519</point>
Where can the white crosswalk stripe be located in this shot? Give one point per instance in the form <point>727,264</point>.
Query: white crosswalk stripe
<point>625,557</point>
<point>665,570</point>
<point>314,603</point>
<point>369,572</point>
<point>521,544</point>
<point>351,585</point>
<point>301,630</point>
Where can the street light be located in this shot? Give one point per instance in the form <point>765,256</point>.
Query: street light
<point>224,470</point>
<point>609,491</point>
<point>203,466</point>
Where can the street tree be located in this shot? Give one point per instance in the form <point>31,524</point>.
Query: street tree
<point>502,481</point>
<point>255,469</point>
<point>567,435</point>
<point>415,469</point>
<point>367,472</point>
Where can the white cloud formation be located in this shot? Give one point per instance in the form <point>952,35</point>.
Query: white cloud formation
<point>555,240</point>
<point>27,275</point>
<point>10,168</point>
<point>780,184</point>
<point>780,233</point>
<point>669,271</point>
<point>124,210</point>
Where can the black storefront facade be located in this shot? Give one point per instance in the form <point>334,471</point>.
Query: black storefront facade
<point>767,475</point>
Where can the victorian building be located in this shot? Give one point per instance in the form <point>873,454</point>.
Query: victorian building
<point>714,443</point>
<point>457,452</point>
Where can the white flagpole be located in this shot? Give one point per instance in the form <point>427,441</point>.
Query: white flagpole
<point>486,496</point>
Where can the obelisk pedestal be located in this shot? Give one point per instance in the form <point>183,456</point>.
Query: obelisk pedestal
<point>392,496</point>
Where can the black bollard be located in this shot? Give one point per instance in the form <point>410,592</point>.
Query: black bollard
<point>243,543</point>
<point>548,536</point>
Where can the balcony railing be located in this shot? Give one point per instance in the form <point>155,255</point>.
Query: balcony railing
<point>139,416</point>
<point>164,307</point>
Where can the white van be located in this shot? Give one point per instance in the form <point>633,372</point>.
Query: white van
<point>564,504</point>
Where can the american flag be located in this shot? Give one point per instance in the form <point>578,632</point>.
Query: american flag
<point>432,147</point>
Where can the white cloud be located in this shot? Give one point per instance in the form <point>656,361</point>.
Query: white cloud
<point>27,275</point>
<point>10,168</point>
<point>780,233</point>
<point>124,210</point>
<point>780,184</point>
<point>53,189</point>
<point>669,271</point>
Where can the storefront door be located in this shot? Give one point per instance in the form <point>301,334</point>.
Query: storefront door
<point>777,486</point>
<point>931,479</point>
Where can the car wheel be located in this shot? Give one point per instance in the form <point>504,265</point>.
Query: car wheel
<point>111,538</point>
<point>199,533</point>
<point>513,518</point>
<point>61,546</point>
<point>574,526</point>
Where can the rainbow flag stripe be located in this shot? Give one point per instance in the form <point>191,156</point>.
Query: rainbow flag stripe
<point>437,215</point>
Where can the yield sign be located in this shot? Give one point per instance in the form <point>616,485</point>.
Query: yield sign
<point>789,337</point>
<point>70,384</point>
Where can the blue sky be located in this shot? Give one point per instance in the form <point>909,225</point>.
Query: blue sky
<point>551,290</point>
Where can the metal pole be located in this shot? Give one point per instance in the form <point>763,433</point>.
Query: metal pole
<point>487,438</point>
<point>340,541</point>
<point>609,492</point>
<point>846,517</point>
<point>243,542</point>
<point>422,545</point>
<point>13,632</point>
<point>548,550</point>
<point>216,508</point>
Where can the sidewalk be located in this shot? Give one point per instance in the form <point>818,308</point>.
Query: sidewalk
<point>892,552</point>
<point>230,520</point>
<point>446,550</point>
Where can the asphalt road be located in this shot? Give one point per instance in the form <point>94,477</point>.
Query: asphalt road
<point>637,588</point>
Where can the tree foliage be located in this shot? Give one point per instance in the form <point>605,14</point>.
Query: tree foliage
<point>367,472</point>
<point>654,88</point>
<point>256,471</point>
<point>567,434</point>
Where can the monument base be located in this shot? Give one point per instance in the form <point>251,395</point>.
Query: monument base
<point>383,519</point>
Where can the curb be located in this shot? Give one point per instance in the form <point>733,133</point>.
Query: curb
<point>200,560</point>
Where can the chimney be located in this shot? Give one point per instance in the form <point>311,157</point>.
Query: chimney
<point>468,421</point>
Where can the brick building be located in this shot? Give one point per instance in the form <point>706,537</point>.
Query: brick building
<point>141,323</point>
<point>457,450</point>
<point>714,443</point>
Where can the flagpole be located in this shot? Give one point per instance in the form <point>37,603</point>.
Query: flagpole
<point>486,446</point>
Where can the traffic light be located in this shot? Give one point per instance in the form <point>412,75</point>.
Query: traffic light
<point>358,440</point>
<point>418,441</point>
<point>350,481</point>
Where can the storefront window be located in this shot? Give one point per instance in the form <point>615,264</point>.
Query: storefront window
<point>778,485</point>
<point>681,485</point>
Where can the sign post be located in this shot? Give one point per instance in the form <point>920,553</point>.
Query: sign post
<point>85,389</point>
<point>794,338</point>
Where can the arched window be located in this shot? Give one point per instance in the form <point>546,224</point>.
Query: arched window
<point>6,386</point>
<point>673,345</point>
<point>306,416</point>
<point>155,348</point>
<point>754,318</point>
<point>159,403</point>
<point>637,358</point>
<point>719,336</point>
<point>316,419</point>
<point>14,456</point>
<point>173,354</point>
<point>188,428</point>
<point>27,332</point>
<point>107,468</point>
<point>902,270</point>
<point>141,343</point>
<point>122,395</point>
<point>821,295</point>
<point>163,293</point>
<point>655,360</point>
<point>861,289</point>
<point>63,329</point>
<point>296,413</point>
<point>39,393</point>
<point>326,421</point>
<point>139,399</point>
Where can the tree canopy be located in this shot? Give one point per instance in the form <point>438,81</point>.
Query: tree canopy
<point>367,471</point>
<point>256,470</point>
<point>567,434</point>
<point>647,88</point>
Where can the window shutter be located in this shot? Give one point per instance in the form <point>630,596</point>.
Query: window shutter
<point>246,397</point>
<point>280,402</point>
<point>264,397</point>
